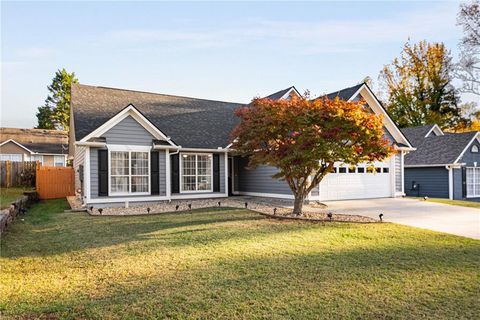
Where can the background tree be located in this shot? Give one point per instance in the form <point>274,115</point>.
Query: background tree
<point>419,86</point>
<point>303,138</point>
<point>55,113</point>
<point>468,67</point>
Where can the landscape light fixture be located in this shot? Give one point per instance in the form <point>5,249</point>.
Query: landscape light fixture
<point>100,210</point>
<point>425,198</point>
<point>189,206</point>
<point>91,208</point>
<point>176,207</point>
<point>148,210</point>
<point>274,211</point>
<point>330,216</point>
<point>381,217</point>
<point>219,203</point>
<point>246,205</point>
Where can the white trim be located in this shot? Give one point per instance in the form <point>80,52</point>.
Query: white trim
<point>86,175</point>
<point>287,94</point>
<point>110,199</point>
<point>375,105</point>
<point>225,155</point>
<point>437,130</point>
<point>393,178</point>
<point>129,149</point>
<point>91,144</point>
<point>196,172</point>
<point>18,144</point>
<point>130,110</point>
<point>180,148</point>
<point>476,136</point>
<point>402,166</point>
<point>198,195</point>
<point>268,195</point>
<point>450,182</point>
<point>456,165</point>
<point>168,182</point>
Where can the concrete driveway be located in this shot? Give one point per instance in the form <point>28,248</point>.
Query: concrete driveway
<point>456,220</point>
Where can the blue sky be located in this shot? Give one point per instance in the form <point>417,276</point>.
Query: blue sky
<point>221,51</point>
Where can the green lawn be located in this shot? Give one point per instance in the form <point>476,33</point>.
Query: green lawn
<point>462,203</point>
<point>8,195</point>
<point>231,264</point>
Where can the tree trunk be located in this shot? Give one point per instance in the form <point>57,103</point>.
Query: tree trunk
<point>298,204</point>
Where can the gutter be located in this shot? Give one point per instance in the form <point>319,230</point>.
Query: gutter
<point>90,144</point>
<point>449,165</point>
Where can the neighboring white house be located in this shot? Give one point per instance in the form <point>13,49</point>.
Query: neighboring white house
<point>139,146</point>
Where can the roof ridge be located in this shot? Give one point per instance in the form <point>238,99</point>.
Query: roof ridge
<point>153,93</point>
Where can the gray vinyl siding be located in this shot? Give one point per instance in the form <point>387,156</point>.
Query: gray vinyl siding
<point>78,160</point>
<point>128,132</point>
<point>433,182</point>
<point>469,158</point>
<point>398,172</point>
<point>260,179</point>
<point>162,172</point>
<point>94,172</point>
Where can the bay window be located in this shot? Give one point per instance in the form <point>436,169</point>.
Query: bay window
<point>196,172</point>
<point>129,172</point>
<point>473,182</point>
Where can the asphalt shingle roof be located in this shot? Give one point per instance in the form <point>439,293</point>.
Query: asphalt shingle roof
<point>346,93</point>
<point>190,122</point>
<point>435,149</point>
<point>279,94</point>
<point>37,140</point>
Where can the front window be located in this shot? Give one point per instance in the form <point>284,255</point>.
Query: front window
<point>473,182</point>
<point>129,172</point>
<point>37,157</point>
<point>196,172</point>
<point>11,157</point>
<point>59,161</point>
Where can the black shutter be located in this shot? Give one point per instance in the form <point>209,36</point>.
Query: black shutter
<point>175,170</point>
<point>103,172</point>
<point>464,182</point>
<point>216,173</point>
<point>154,173</point>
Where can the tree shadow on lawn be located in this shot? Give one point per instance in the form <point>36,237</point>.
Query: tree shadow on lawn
<point>394,282</point>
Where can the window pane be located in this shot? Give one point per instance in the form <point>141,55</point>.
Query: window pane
<point>361,170</point>
<point>386,170</point>
<point>119,184</point>
<point>139,163</point>
<point>204,182</point>
<point>188,183</point>
<point>139,184</point>
<point>119,163</point>
<point>470,181</point>
<point>342,170</point>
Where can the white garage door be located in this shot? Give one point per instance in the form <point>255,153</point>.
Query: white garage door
<point>357,182</point>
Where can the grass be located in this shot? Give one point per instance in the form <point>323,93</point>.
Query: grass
<point>229,264</point>
<point>462,203</point>
<point>8,195</point>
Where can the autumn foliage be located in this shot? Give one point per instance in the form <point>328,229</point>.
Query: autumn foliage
<point>303,138</point>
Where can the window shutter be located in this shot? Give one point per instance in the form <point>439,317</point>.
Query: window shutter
<point>154,173</point>
<point>103,172</point>
<point>464,182</point>
<point>175,173</point>
<point>216,173</point>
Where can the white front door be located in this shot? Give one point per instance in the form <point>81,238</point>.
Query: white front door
<point>358,182</point>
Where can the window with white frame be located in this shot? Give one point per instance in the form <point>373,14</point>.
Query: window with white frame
<point>473,182</point>
<point>37,157</point>
<point>59,161</point>
<point>196,172</point>
<point>129,172</point>
<point>11,157</point>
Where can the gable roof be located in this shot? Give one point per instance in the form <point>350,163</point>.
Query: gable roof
<point>190,122</point>
<point>346,93</point>
<point>36,140</point>
<point>435,150</point>
<point>282,93</point>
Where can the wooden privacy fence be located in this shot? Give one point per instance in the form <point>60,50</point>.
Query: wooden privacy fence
<point>17,174</point>
<point>55,182</point>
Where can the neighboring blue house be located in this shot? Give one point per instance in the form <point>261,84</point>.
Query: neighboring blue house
<point>445,165</point>
<point>138,146</point>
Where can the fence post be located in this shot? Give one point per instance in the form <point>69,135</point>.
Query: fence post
<point>7,173</point>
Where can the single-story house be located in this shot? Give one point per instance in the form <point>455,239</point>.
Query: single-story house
<point>131,146</point>
<point>49,147</point>
<point>445,165</point>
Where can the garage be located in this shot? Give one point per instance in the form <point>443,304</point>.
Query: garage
<point>357,182</point>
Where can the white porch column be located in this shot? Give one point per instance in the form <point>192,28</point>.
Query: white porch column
<point>226,174</point>
<point>86,175</point>
<point>450,182</point>
<point>168,178</point>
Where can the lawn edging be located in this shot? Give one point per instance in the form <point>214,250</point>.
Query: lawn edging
<point>19,206</point>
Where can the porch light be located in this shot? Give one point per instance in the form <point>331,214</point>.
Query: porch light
<point>100,210</point>
<point>330,216</point>
<point>381,217</point>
